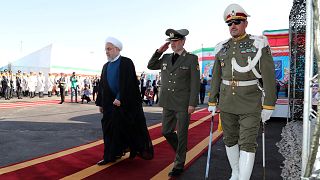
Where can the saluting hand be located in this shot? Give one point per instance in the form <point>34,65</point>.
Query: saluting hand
<point>116,102</point>
<point>164,47</point>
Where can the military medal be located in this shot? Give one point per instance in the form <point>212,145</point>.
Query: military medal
<point>222,63</point>
<point>164,67</point>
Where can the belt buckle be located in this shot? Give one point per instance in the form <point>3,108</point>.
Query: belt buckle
<point>234,83</point>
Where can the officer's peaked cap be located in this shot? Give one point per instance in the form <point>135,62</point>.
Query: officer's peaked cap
<point>235,11</point>
<point>176,34</point>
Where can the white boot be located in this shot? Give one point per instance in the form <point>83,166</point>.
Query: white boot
<point>233,157</point>
<point>246,163</point>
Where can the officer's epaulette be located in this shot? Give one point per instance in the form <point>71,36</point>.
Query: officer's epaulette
<point>259,40</point>
<point>219,46</point>
<point>190,53</point>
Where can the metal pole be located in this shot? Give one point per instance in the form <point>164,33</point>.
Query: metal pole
<point>209,149</point>
<point>307,89</point>
<point>263,151</point>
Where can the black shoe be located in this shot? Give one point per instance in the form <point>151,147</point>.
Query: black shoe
<point>61,102</point>
<point>133,154</point>
<point>104,162</point>
<point>175,172</point>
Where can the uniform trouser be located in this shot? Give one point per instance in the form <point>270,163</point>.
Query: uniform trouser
<point>178,141</point>
<point>241,129</point>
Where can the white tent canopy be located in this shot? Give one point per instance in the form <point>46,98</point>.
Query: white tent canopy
<point>57,59</point>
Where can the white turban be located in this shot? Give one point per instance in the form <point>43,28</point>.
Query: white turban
<point>114,41</point>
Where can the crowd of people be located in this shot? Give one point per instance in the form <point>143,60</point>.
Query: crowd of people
<point>149,89</point>
<point>29,85</point>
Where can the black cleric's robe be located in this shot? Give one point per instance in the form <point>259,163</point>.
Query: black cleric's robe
<point>124,127</point>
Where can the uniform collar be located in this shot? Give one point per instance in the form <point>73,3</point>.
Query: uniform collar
<point>240,37</point>
<point>180,52</point>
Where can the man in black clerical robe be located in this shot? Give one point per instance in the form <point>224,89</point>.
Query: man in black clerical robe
<point>123,123</point>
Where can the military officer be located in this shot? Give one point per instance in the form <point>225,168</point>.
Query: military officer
<point>180,80</point>
<point>241,61</point>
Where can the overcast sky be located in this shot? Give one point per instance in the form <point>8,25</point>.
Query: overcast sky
<point>29,25</point>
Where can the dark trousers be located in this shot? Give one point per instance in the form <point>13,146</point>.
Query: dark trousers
<point>178,140</point>
<point>19,90</point>
<point>5,92</point>
<point>87,98</point>
<point>202,95</point>
<point>62,95</point>
<point>156,93</point>
<point>143,91</point>
<point>41,94</point>
<point>32,94</point>
<point>109,153</point>
<point>74,92</point>
<point>94,92</point>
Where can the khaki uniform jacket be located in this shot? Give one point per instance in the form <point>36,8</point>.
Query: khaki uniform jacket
<point>180,82</point>
<point>242,99</point>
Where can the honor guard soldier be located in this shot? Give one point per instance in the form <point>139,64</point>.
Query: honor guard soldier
<point>180,81</point>
<point>241,62</point>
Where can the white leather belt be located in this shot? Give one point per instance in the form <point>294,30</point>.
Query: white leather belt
<point>240,83</point>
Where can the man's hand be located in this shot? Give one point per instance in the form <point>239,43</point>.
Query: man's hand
<point>191,109</point>
<point>100,109</point>
<point>212,109</point>
<point>266,114</point>
<point>164,47</point>
<point>116,102</point>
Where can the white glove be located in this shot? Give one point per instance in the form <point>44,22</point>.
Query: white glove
<point>266,114</point>
<point>212,109</point>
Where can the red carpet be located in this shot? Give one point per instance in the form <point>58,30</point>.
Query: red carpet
<point>79,162</point>
<point>27,104</point>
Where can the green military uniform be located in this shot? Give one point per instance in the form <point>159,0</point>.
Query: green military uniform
<point>234,88</point>
<point>180,85</point>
